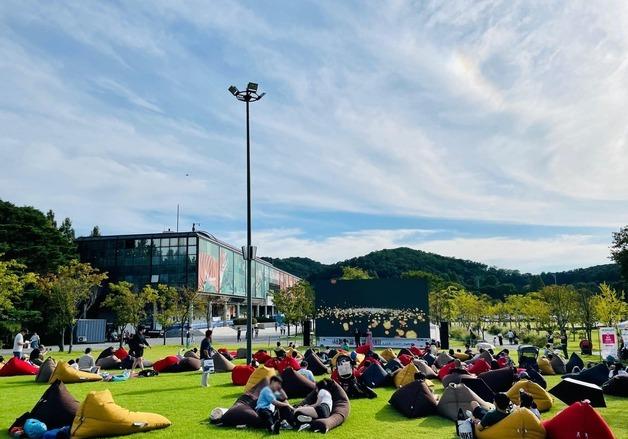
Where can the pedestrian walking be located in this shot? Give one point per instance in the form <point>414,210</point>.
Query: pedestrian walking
<point>239,334</point>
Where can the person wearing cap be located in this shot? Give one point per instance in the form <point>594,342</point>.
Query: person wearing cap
<point>137,343</point>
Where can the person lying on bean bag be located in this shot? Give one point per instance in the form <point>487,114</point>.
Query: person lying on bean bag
<point>295,384</point>
<point>542,399</point>
<point>56,408</point>
<point>340,407</point>
<point>520,423</point>
<point>487,417</point>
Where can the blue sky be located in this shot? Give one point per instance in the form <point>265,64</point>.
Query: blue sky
<point>492,131</point>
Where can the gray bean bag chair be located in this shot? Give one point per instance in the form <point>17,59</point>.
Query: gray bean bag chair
<point>221,364</point>
<point>46,370</point>
<point>486,355</point>
<point>189,364</point>
<point>559,365</point>
<point>442,359</point>
<point>241,353</point>
<point>458,396</point>
<point>108,363</point>
<point>296,385</point>
<point>452,378</point>
<point>425,369</point>
<point>339,413</point>
<point>414,400</point>
<point>192,354</point>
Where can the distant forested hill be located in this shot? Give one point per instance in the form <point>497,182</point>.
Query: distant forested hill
<point>475,276</point>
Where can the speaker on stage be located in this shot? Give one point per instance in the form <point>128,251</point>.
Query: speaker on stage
<point>307,332</point>
<point>444,335</point>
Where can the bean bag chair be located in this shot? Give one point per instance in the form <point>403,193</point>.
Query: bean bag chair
<point>192,354</point>
<point>425,369</point>
<point>579,420</point>
<point>56,408</point>
<point>121,353</point>
<point>597,375</point>
<point>452,378</point>
<point>241,353</point>
<point>375,376</point>
<point>429,359</point>
<point>364,349</point>
<point>478,386</point>
<point>545,366</point>
<point>288,362</point>
<point>570,390</point>
<point>536,377</point>
<point>67,374</point>
<point>127,363</point>
<point>339,353</point>
<point>486,356</point>
<point>388,354</point>
<point>15,367</point>
<point>479,366</point>
<point>499,380</point>
<point>296,385</point>
<point>543,400</point>
<point>221,364</point>
<point>166,363</point>
<point>242,412</point>
<point>189,364</point>
<point>257,376</point>
<point>109,363</point>
<point>444,371</point>
<point>392,366</point>
<point>261,357</point>
<point>574,360</point>
<point>616,386</point>
<point>502,362</point>
<point>461,356</point>
<point>46,370</point>
<point>458,396</point>
<point>316,365</point>
<point>442,359</point>
<point>105,353</point>
<point>416,351</point>
<point>414,400</point>
<point>405,359</point>
<point>100,416</point>
<point>405,375</point>
<point>558,365</point>
<point>241,373</point>
<point>521,423</point>
<point>339,412</point>
<point>272,363</point>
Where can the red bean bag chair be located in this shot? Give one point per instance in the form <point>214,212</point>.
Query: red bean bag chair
<point>480,365</point>
<point>405,359</point>
<point>288,362</point>
<point>165,363</point>
<point>241,373</point>
<point>444,371</point>
<point>272,362</point>
<point>336,376</point>
<point>363,349</point>
<point>502,362</point>
<point>261,357</point>
<point>416,351</point>
<point>15,366</point>
<point>121,353</point>
<point>579,420</point>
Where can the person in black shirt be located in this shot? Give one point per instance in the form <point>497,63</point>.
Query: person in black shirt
<point>137,343</point>
<point>206,345</point>
<point>486,418</point>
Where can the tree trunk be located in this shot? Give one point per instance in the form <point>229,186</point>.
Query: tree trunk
<point>120,335</point>
<point>71,339</point>
<point>62,340</point>
<point>164,328</point>
<point>288,329</point>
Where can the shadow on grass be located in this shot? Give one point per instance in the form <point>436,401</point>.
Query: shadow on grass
<point>389,414</point>
<point>153,390</point>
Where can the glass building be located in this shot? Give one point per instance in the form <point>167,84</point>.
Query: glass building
<point>187,259</point>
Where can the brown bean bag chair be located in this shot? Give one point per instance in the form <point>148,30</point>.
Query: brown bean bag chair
<point>296,385</point>
<point>499,380</point>
<point>425,369</point>
<point>56,408</point>
<point>46,370</point>
<point>242,412</point>
<point>189,364</point>
<point>458,396</point>
<point>192,354</point>
<point>340,411</point>
<point>442,359</point>
<point>105,353</point>
<point>316,365</point>
<point>109,363</point>
<point>414,400</point>
<point>221,364</point>
<point>241,353</point>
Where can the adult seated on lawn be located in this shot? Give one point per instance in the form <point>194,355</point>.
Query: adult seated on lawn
<point>37,356</point>
<point>306,372</point>
<point>268,405</point>
<point>87,362</point>
<point>320,410</point>
<point>485,418</point>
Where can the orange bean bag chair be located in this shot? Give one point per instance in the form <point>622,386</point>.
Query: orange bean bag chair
<point>257,376</point>
<point>241,374</point>
<point>579,420</point>
<point>543,400</point>
<point>15,366</point>
<point>67,374</point>
<point>521,423</point>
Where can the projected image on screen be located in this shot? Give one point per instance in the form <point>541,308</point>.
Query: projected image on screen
<point>386,308</point>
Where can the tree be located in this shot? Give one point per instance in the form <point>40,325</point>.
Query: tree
<point>441,303</point>
<point>536,283</point>
<point>586,312</point>
<point>187,300</point>
<point>350,273</point>
<point>469,309</point>
<point>95,232</point>
<point>166,307</point>
<point>296,303</point>
<point>609,305</point>
<point>433,281</point>
<point>70,291</point>
<point>619,250</point>
<point>562,302</point>
<point>67,231</point>
<point>128,306</point>
<point>14,280</point>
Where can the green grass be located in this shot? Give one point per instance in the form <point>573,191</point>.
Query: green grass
<point>181,398</point>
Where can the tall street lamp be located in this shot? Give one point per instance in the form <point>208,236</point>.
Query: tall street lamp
<point>247,96</point>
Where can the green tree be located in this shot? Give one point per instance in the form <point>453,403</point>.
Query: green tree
<point>585,311</point>
<point>609,305</point>
<point>128,306</point>
<point>70,291</point>
<point>14,281</point>
<point>619,250</point>
<point>536,283</point>
<point>187,300</point>
<point>350,273</point>
<point>433,281</point>
<point>562,302</point>
<point>95,232</point>
<point>441,303</point>
<point>67,231</point>
<point>296,303</point>
<point>166,307</point>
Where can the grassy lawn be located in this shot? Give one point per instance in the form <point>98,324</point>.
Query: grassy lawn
<point>181,398</point>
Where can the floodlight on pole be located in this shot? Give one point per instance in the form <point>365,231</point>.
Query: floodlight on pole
<point>248,252</point>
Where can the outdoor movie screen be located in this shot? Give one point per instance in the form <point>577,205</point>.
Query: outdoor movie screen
<point>395,311</point>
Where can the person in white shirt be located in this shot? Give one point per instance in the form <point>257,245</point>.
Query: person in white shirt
<point>19,344</point>
<point>87,362</point>
<point>321,409</point>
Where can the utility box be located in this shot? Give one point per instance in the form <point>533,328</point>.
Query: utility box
<point>90,331</point>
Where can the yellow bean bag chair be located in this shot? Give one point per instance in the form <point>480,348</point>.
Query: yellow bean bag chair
<point>257,376</point>
<point>461,356</point>
<point>542,398</point>
<point>545,366</point>
<point>340,353</point>
<point>519,424</point>
<point>405,376</point>
<point>67,374</point>
<point>388,354</point>
<point>290,350</point>
<point>100,416</point>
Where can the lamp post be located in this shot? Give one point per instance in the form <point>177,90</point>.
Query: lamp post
<point>248,252</point>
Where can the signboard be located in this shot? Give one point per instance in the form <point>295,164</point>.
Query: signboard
<point>393,310</point>
<point>608,342</point>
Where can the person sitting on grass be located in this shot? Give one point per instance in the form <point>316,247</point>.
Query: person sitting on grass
<point>268,406</point>
<point>321,409</point>
<point>87,362</point>
<point>36,357</point>
<point>485,418</point>
<point>526,400</point>
<point>306,372</point>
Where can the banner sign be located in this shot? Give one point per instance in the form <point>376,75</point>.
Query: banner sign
<point>624,336</point>
<point>378,342</point>
<point>608,342</point>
